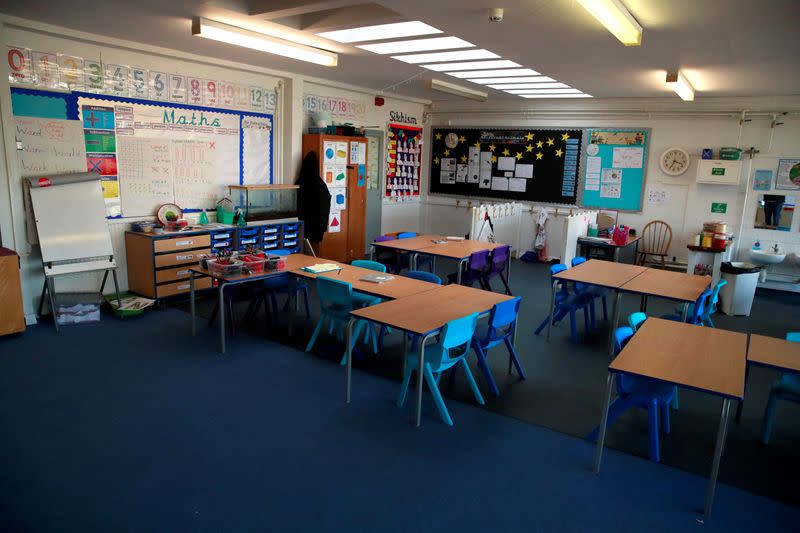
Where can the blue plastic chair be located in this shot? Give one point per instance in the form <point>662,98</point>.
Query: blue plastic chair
<point>421,259</point>
<point>566,304</point>
<point>695,313</point>
<point>386,256</point>
<point>786,388</point>
<point>279,284</point>
<point>498,330</point>
<point>413,274</point>
<point>635,320</point>
<point>710,307</point>
<point>451,349</point>
<point>593,292</point>
<point>336,302</point>
<point>636,391</point>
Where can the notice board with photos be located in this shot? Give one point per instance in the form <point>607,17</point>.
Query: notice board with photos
<point>535,165</point>
<point>615,170</point>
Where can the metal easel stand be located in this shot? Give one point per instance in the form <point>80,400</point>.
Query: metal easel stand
<point>53,269</point>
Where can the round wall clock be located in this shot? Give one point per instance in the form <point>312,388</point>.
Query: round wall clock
<point>674,161</point>
<point>451,141</point>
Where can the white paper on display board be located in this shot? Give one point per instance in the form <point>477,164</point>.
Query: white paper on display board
<point>448,164</point>
<point>612,176</point>
<point>499,183</point>
<point>338,198</point>
<point>353,153</point>
<point>658,196</point>
<point>517,184</point>
<point>362,153</point>
<point>328,151</point>
<point>334,222</point>
<point>461,173</point>
<point>486,161</point>
<point>506,163</point>
<point>610,191</point>
<point>341,153</point>
<point>524,171</point>
<point>339,176</point>
<point>474,155</point>
<point>485,181</point>
<point>593,164</point>
<point>447,177</point>
<point>256,143</point>
<point>628,157</point>
<point>592,182</point>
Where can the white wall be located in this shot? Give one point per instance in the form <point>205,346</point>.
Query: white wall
<point>709,124</point>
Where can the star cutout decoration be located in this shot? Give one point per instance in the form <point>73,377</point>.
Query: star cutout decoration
<point>529,148</point>
<point>463,159</point>
<point>492,147</point>
<point>539,144</point>
<point>565,137</point>
<point>549,142</point>
<point>559,152</point>
<point>478,145</point>
<point>438,136</point>
<point>435,160</point>
<point>529,136</point>
<point>506,152</point>
<point>539,155</point>
<point>494,159</point>
<point>518,156</point>
<point>446,152</point>
<point>463,139</point>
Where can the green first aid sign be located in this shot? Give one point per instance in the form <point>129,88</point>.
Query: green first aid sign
<point>719,207</point>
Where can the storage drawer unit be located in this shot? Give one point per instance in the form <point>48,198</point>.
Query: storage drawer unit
<point>223,240</point>
<point>12,316</point>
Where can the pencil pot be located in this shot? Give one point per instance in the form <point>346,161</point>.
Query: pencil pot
<point>620,236</point>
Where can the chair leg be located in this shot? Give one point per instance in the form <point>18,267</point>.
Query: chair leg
<point>505,284</point>
<point>374,337</point>
<point>437,396</point>
<point>274,307</point>
<point>615,410</point>
<point>512,354</point>
<point>605,309</point>
<point>471,380</point>
<point>769,413</point>
<point>487,373</point>
<point>315,334</point>
<point>652,422</point>
<point>587,320</point>
<point>665,426</point>
<point>305,300</point>
<point>213,315</point>
<point>592,314</point>
<point>231,316</point>
<point>401,397</point>
<point>675,404</point>
<point>573,327</point>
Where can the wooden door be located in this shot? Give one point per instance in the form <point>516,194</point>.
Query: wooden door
<point>356,212</point>
<point>12,316</point>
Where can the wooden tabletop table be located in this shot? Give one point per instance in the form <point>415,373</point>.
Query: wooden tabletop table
<point>608,244</point>
<point>410,244</point>
<point>667,284</point>
<point>397,287</point>
<point>458,250</point>
<point>774,353</point>
<point>704,359</point>
<point>422,314</point>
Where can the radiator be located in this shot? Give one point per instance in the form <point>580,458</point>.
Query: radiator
<point>506,219</point>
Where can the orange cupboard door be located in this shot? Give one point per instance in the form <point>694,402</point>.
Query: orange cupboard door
<point>12,315</point>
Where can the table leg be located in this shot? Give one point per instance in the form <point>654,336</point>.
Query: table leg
<point>552,306</point>
<point>616,254</point>
<point>601,437</point>
<point>405,352</point>
<point>412,261</point>
<point>116,287</point>
<point>684,311</point>
<point>420,379</point>
<point>51,291</point>
<point>740,403</point>
<point>191,302</point>
<point>461,264</point>
<point>614,322</point>
<point>508,270</point>
<point>221,317</point>
<point>721,435</point>
<point>348,369</point>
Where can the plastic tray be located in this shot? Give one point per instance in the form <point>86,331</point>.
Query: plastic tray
<point>225,270</point>
<point>253,266</point>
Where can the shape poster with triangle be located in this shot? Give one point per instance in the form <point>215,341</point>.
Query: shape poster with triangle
<point>334,221</point>
<point>534,165</point>
<point>403,162</point>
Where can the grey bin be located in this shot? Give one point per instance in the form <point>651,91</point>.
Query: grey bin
<point>736,298</point>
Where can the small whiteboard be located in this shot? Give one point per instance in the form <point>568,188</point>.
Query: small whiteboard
<point>70,216</point>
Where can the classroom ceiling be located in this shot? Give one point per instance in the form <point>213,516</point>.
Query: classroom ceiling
<point>725,47</point>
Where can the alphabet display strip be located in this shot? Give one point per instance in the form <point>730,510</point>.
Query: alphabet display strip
<point>536,165</point>
<point>403,162</point>
<point>49,70</point>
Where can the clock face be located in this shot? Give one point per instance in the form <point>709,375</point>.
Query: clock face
<point>674,161</point>
<point>451,141</point>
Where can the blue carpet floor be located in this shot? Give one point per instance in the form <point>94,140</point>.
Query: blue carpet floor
<point>136,426</point>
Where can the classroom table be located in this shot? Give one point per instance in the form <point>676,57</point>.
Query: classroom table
<point>397,287</point>
<point>771,352</point>
<point>460,251</point>
<point>704,359</point>
<point>599,273</point>
<point>422,314</point>
<point>587,243</point>
<point>410,244</point>
<point>291,263</point>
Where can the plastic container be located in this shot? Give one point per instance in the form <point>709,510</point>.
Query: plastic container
<point>223,269</point>
<point>224,217</point>
<point>252,264</point>
<point>708,239</point>
<point>77,308</point>
<point>719,242</point>
<point>736,298</point>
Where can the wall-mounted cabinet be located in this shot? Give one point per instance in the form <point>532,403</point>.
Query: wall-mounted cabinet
<point>719,172</point>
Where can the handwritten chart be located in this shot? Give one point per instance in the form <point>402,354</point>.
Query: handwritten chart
<point>50,146</point>
<point>145,174</point>
<point>194,169</point>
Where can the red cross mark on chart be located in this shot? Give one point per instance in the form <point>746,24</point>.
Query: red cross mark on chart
<point>212,145</point>
<point>96,164</point>
<point>91,119</point>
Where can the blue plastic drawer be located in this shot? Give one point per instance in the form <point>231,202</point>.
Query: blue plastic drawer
<point>290,244</point>
<point>292,235</point>
<point>291,227</point>
<point>223,244</point>
<point>252,241</point>
<point>270,238</point>
<point>269,230</point>
<point>270,246</point>
<point>249,232</point>
<point>221,236</point>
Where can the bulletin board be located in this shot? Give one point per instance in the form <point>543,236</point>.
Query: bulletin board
<point>404,161</point>
<point>615,170</point>
<point>535,165</point>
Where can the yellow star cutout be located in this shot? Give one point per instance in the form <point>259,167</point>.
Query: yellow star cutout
<point>438,136</point>
<point>446,152</point>
<point>506,152</point>
<point>492,147</point>
<point>529,148</point>
<point>435,160</point>
<point>478,145</point>
<point>559,152</point>
<point>529,136</point>
<point>463,159</point>
<point>565,137</point>
<point>518,156</point>
<point>494,159</point>
<point>539,144</point>
<point>463,139</point>
<point>549,142</point>
<point>539,155</point>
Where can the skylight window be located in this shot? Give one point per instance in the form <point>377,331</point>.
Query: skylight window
<point>380,32</point>
<point>578,95</point>
<point>500,72</point>
<point>533,88</point>
<point>461,55</point>
<point>540,81</point>
<point>416,45</point>
<point>470,65</point>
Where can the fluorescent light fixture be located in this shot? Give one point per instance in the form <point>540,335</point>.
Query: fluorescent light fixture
<point>493,73</point>
<point>524,79</point>
<point>452,88</point>
<point>678,83</point>
<point>581,95</point>
<point>534,88</point>
<point>462,55</point>
<point>613,15</point>
<point>381,31</point>
<point>471,65</point>
<point>225,33</point>
<point>416,45</point>
<point>539,89</point>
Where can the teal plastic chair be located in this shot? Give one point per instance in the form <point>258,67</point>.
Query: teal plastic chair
<point>413,274</point>
<point>336,302</point>
<point>365,300</point>
<point>498,330</point>
<point>451,349</point>
<point>635,320</point>
<point>786,388</point>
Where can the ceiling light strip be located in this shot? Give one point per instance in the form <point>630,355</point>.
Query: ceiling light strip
<point>416,45</point>
<point>616,18</point>
<point>541,81</point>
<point>380,32</point>
<point>516,72</point>
<point>439,57</point>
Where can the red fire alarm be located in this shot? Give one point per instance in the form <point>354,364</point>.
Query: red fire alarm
<point>379,101</point>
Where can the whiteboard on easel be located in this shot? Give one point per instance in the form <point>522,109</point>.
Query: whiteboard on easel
<point>70,215</point>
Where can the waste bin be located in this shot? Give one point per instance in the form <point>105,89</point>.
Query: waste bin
<point>736,298</point>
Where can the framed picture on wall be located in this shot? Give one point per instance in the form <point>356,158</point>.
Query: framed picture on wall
<point>788,175</point>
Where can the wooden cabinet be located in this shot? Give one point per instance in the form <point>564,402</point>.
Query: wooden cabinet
<point>12,315</point>
<point>348,243</point>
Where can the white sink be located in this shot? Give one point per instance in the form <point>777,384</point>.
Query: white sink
<point>765,257</point>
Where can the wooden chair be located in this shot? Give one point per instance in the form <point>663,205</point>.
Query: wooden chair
<point>655,241</point>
